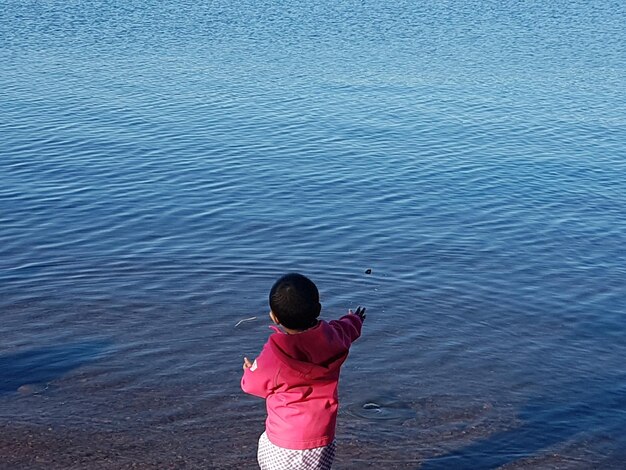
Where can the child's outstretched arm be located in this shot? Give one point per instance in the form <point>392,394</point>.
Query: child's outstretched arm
<point>350,325</point>
<point>259,376</point>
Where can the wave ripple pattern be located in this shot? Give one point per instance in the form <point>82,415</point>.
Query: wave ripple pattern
<point>161,163</point>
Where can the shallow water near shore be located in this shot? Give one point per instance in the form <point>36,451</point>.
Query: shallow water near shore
<point>161,163</point>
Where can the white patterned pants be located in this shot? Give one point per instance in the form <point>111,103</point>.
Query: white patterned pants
<point>272,457</point>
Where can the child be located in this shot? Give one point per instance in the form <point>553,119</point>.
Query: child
<point>297,373</point>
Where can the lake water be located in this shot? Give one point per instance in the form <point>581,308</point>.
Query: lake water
<point>162,162</point>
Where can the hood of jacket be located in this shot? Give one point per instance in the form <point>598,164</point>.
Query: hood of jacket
<point>316,353</point>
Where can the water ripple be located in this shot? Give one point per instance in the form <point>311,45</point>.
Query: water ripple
<point>162,164</point>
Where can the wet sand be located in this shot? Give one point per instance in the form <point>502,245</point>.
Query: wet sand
<point>34,447</point>
<point>24,446</point>
<point>441,434</point>
<point>74,422</point>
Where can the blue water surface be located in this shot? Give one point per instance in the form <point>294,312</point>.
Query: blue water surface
<point>162,162</point>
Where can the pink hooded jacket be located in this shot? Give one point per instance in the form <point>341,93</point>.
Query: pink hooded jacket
<point>298,376</point>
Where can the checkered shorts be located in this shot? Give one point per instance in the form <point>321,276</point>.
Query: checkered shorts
<point>272,457</point>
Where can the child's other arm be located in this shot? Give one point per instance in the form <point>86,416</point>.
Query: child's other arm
<point>350,325</point>
<point>259,376</point>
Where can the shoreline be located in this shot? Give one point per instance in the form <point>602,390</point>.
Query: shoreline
<point>25,445</point>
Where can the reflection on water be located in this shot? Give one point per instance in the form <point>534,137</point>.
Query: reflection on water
<point>32,369</point>
<point>545,423</point>
<point>456,167</point>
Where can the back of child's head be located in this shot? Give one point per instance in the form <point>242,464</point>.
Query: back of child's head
<point>295,301</point>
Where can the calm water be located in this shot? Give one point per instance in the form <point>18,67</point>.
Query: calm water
<point>162,162</point>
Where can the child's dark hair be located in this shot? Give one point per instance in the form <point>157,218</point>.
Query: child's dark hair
<point>295,301</point>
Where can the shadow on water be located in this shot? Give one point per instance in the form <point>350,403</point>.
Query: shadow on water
<point>548,421</point>
<point>44,364</point>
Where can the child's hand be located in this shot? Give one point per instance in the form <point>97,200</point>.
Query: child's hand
<point>246,363</point>
<point>360,312</point>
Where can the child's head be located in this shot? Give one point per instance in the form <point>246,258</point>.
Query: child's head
<point>295,302</point>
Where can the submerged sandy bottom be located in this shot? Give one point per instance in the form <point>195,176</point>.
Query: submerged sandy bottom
<point>432,433</point>
<point>33,447</point>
